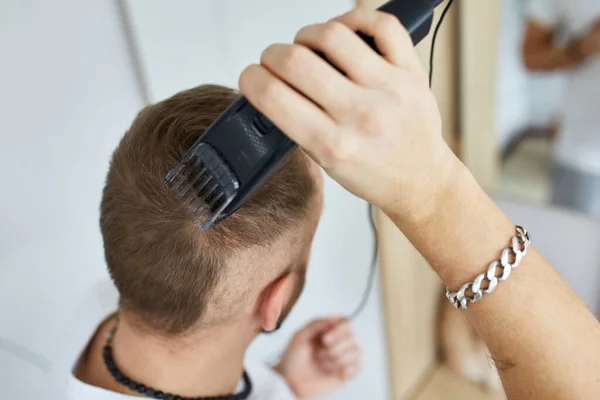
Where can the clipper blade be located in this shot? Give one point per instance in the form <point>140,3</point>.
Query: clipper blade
<point>204,184</point>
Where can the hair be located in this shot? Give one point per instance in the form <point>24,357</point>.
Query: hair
<point>164,268</point>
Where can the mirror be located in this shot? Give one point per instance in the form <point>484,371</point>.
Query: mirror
<point>548,91</point>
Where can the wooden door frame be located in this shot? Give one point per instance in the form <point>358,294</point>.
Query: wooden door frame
<point>464,85</point>
<point>411,324</point>
<point>479,39</point>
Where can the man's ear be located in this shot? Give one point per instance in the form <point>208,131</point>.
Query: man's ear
<point>274,300</point>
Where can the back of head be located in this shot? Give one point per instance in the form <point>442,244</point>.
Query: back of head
<point>166,270</point>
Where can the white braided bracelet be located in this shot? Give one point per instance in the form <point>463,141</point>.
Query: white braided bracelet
<point>498,270</point>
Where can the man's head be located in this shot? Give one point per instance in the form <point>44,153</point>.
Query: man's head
<point>174,278</point>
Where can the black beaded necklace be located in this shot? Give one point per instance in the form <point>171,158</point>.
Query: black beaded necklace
<point>154,393</point>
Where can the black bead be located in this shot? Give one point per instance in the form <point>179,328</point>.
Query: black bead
<point>141,388</point>
<point>118,376</point>
<point>150,392</point>
<point>132,385</point>
<point>177,398</point>
<point>160,395</point>
<point>169,397</point>
<point>125,381</point>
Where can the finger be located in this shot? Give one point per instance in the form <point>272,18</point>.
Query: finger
<point>296,116</point>
<point>350,372</point>
<point>338,331</point>
<point>350,356</point>
<point>309,74</point>
<point>341,346</point>
<point>348,367</point>
<point>329,367</point>
<point>311,330</point>
<point>391,38</point>
<point>317,327</point>
<point>347,51</point>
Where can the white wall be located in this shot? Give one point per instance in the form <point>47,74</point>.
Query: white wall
<point>184,43</point>
<point>68,92</point>
<point>67,95</point>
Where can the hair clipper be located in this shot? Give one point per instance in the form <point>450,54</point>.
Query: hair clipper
<point>242,149</point>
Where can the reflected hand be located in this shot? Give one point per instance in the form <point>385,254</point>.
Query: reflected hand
<point>320,358</point>
<point>589,45</point>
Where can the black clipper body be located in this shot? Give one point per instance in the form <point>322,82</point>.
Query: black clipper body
<point>242,149</point>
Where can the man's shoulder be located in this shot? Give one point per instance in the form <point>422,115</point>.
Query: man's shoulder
<point>97,302</point>
<point>267,384</point>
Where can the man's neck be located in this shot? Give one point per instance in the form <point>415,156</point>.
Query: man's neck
<point>209,364</point>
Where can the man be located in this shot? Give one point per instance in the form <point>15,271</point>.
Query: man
<point>192,301</point>
<point>375,128</point>
<point>576,180</point>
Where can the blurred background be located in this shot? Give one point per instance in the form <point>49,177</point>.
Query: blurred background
<point>74,74</point>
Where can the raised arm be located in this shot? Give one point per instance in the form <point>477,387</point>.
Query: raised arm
<point>377,131</point>
<point>542,53</point>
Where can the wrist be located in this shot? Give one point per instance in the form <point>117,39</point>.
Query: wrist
<point>447,174</point>
<point>280,369</point>
<point>576,53</point>
<point>460,230</point>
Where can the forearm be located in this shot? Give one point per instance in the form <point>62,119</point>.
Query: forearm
<point>540,355</point>
<point>552,57</point>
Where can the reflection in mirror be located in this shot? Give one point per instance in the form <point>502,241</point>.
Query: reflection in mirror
<point>546,114</point>
<point>548,91</point>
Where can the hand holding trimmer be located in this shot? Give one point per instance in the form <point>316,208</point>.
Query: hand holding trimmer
<point>242,149</point>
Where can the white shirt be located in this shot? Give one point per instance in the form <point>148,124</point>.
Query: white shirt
<point>266,383</point>
<point>578,143</point>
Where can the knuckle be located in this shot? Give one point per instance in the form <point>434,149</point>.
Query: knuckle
<point>246,78</point>
<point>389,25</point>
<point>268,94</point>
<point>361,10</point>
<point>356,13</point>
<point>331,33</point>
<point>265,56</point>
<point>371,119</point>
<point>292,58</point>
<point>243,79</point>
<point>343,151</point>
<point>327,156</point>
<point>388,22</point>
<point>301,33</point>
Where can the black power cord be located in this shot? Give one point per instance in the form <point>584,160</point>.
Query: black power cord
<point>435,33</point>
<point>373,268</point>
